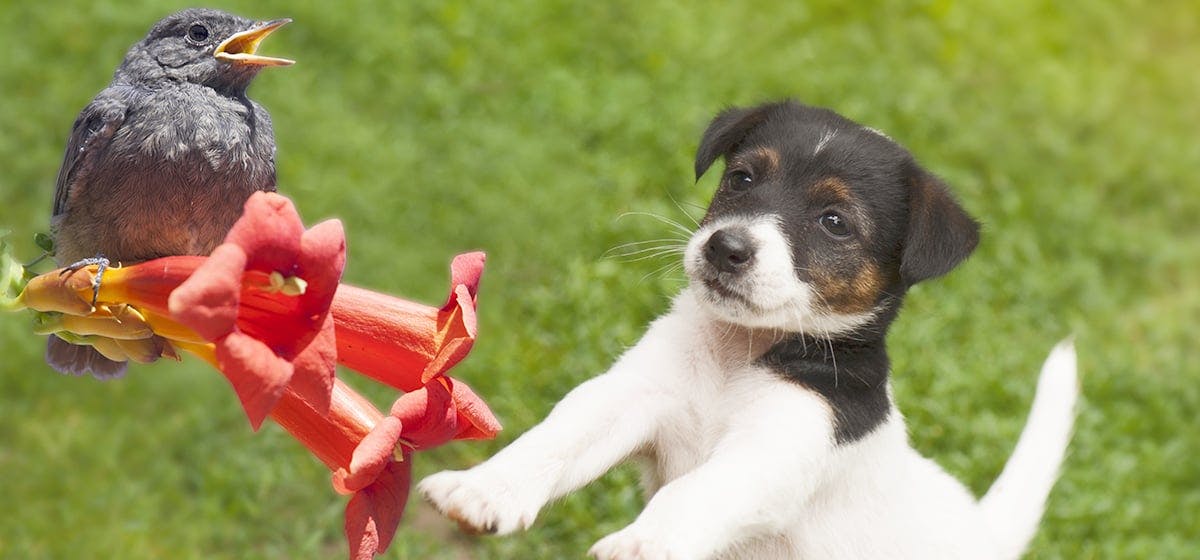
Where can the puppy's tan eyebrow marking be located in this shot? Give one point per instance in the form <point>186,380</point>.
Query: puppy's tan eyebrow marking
<point>833,187</point>
<point>768,156</point>
<point>771,156</point>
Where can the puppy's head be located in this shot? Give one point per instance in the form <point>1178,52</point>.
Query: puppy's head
<point>819,224</point>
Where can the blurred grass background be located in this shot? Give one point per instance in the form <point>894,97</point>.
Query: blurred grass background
<point>525,128</point>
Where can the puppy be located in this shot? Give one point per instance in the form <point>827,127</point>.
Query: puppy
<point>759,406</point>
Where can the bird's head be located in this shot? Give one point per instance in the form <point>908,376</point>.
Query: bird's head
<point>202,46</point>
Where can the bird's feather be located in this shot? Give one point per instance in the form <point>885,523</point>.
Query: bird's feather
<point>90,136</point>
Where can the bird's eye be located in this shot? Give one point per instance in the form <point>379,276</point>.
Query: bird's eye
<point>835,224</point>
<point>739,180</point>
<point>197,33</point>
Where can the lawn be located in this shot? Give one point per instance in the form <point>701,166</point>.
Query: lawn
<point>528,128</point>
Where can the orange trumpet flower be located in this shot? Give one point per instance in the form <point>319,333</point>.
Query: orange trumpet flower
<point>263,299</point>
<point>407,345</point>
<point>266,309</point>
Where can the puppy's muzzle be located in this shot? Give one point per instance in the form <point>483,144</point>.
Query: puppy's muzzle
<point>730,250</point>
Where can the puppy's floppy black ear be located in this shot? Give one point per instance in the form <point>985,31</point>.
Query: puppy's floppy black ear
<point>724,132</point>
<point>940,233</point>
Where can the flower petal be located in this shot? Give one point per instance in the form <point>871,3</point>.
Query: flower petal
<point>457,323</point>
<point>58,290</point>
<point>142,351</point>
<point>370,457</point>
<point>476,420</point>
<point>375,511</point>
<point>258,376</point>
<point>428,416</point>
<point>315,367</point>
<point>269,231</point>
<point>465,270</point>
<point>456,333</point>
<point>321,262</point>
<point>207,302</point>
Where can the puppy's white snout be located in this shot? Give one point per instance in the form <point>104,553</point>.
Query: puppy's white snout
<point>730,250</point>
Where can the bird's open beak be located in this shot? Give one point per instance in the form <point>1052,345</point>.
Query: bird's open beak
<point>240,48</point>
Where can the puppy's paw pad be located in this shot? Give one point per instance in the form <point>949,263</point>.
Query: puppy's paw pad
<point>627,545</point>
<point>479,504</point>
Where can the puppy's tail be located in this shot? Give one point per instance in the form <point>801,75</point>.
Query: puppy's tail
<point>1013,506</point>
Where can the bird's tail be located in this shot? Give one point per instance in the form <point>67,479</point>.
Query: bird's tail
<point>1014,505</point>
<point>73,359</point>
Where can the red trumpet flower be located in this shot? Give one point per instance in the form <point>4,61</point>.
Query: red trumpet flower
<point>406,345</point>
<point>263,298</point>
<point>267,310</point>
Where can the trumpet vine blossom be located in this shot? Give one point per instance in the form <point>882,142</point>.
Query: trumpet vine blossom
<point>263,298</point>
<point>267,309</point>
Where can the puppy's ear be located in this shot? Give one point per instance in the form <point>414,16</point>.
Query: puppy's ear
<point>724,132</point>
<point>940,233</point>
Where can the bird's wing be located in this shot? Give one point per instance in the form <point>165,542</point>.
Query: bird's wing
<point>90,136</point>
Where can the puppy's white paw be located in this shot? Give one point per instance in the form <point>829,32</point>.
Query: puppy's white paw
<point>479,503</point>
<point>631,544</point>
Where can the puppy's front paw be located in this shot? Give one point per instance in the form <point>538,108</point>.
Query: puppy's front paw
<point>479,503</point>
<point>631,544</point>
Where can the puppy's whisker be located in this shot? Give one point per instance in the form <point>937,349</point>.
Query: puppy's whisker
<point>654,251</point>
<point>681,209</point>
<point>663,271</point>
<point>665,240</point>
<point>726,335</point>
<point>669,268</point>
<point>660,240</point>
<point>832,357</point>
<point>651,257</point>
<point>633,249</point>
<point>689,204</point>
<point>683,229</point>
<point>750,348</point>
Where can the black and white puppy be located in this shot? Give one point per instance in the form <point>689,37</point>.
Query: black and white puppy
<point>759,406</point>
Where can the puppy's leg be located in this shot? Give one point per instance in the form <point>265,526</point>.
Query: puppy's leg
<point>596,426</point>
<point>755,483</point>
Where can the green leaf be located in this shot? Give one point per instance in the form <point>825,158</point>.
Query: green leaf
<point>44,242</point>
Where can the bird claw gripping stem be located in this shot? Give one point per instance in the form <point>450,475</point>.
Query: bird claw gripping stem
<point>101,265</point>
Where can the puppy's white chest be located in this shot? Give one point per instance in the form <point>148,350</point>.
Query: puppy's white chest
<point>713,376</point>
<point>690,435</point>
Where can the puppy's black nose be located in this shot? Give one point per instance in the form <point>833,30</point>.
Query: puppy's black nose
<point>729,250</point>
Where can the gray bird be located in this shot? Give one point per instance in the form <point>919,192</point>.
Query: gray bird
<point>162,160</point>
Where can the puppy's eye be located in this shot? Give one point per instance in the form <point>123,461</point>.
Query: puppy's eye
<point>197,33</point>
<point>835,224</point>
<point>739,180</point>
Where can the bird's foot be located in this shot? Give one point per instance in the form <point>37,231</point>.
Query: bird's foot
<point>101,265</point>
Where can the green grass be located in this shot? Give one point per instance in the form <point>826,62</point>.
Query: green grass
<point>526,128</point>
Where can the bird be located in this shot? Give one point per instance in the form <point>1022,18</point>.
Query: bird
<point>162,160</point>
